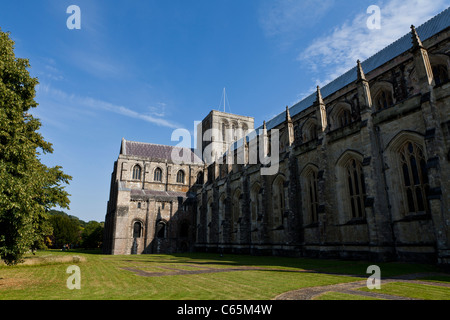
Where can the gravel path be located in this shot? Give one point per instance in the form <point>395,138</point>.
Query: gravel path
<point>309,293</point>
<point>352,288</point>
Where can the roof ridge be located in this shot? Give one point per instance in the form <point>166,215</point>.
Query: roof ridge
<point>157,144</point>
<point>159,151</point>
<point>387,47</point>
<point>419,28</point>
<point>346,74</point>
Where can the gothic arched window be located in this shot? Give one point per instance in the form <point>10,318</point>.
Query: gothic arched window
<point>161,230</point>
<point>281,200</point>
<point>415,177</point>
<point>356,188</point>
<point>180,176</point>
<point>312,196</point>
<point>199,178</point>
<point>383,100</point>
<point>157,175</point>
<point>233,132</point>
<point>137,230</point>
<point>440,74</point>
<point>224,136</point>
<point>313,131</point>
<point>244,130</point>
<point>310,132</point>
<point>137,172</point>
<point>255,207</point>
<point>344,118</point>
<point>236,211</point>
<point>278,202</point>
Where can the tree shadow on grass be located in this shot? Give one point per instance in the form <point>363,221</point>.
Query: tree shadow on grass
<point>83,251</point>
<point>303,265</point>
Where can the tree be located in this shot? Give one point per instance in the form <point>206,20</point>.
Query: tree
<point>66,230</point>
<point>28,188</point>
<point>92,235</point>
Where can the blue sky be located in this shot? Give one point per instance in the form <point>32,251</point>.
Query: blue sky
<point>140,69</point>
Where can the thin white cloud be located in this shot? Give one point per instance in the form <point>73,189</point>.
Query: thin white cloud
<point>51,72</point>
<point>287,20</point>
<point>330,56</point>
<point>96,104</point>
<point>159,110</point>
<point>98,65</point>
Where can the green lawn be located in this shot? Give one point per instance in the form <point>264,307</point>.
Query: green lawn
<point>342,296</point>
<point>104,277</point>
<point>414,290</point>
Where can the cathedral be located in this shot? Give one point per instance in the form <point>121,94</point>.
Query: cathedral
<point>362,170</point>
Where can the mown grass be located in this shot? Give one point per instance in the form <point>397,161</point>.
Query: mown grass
<point>342,296</point>
<point>414,290</point>
<point>438,279</point>
<point>103,277</point>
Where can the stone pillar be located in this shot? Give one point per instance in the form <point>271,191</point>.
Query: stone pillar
<point>121,224</point>
<point>265,211</point>
<point>293,225</point>
<point>246,224</point>
<point>438,166</point>
<point>203,225</point>
<point>323,175</point>
<point>214,228</point>
<point>227,218</point>
<point>377,213</point>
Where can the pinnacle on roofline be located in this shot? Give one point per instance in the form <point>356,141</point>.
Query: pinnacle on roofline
<point>288,115</point>
<point>361,75</point>
<point>319,99</point>
<point>417,43</point>
<point>123,147</point>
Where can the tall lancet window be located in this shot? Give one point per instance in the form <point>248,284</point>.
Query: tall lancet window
<point>440,74</point>
<point>281,199</point>
<point>224,136</point>
<point>180,176</point>
<point>137,230</point>
<point>161,230</point>
<point>279,202</point>
<point>158,175</point>
<point>312,197</point>
<point>356,188</point>
<point>233,133</point>
<point>384,100</point>
<point>344,118</point>
<point>137,172</point>
<point>415,177</point>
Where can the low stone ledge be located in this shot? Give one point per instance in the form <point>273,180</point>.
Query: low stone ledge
<point>50,259</point>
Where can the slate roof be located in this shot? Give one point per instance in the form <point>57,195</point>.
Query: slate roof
<point>159,194</point>
<point>155,151</point>
<point>430,28</point>
<point>136,193</point>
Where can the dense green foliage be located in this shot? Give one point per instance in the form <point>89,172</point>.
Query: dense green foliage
<point>70,230</point>
<point>92,235</point>
<point>28,188</point>
<point>65,230</point>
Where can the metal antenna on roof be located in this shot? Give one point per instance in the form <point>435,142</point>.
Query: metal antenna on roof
<point>225,99</point>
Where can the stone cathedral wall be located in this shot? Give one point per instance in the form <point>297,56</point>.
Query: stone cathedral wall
<point>363,174</point>
<point>388,229</point>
